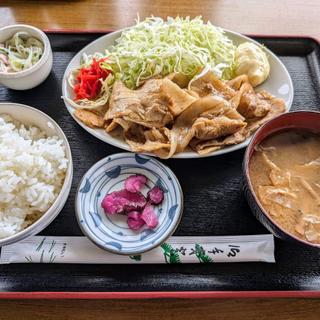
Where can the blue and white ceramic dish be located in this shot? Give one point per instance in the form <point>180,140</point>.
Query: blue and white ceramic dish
<point>111,232</point>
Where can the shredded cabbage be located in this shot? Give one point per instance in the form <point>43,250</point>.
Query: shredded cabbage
<point>100,101</point>
<point>20,52</point>
<point>155,47</point>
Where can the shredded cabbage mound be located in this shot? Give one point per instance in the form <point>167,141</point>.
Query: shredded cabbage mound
<point>155,47</point>
<point>20,52</point>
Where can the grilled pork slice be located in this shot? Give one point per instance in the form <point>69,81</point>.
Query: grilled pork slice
<point>90,118</point>
<point>155,104</point>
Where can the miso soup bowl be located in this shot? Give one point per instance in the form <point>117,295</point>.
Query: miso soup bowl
<point>294,120</point>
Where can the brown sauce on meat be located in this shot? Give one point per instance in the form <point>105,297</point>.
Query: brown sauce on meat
<point>285,174</point>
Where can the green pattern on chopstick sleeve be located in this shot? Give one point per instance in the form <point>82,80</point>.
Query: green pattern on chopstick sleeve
<point>201,254</point>
<point>171,256</point>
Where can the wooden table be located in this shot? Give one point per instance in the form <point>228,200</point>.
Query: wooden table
<point>286,17</point>
<point>247,16</point>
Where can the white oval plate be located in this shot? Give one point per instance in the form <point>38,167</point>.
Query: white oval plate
<point>278,84</point>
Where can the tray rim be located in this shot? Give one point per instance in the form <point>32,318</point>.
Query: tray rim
<point>95,295</point>
<point>131,295</point>
<point>254,35</point>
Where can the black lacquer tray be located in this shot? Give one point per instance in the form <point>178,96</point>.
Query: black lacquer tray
<point>214,205</point>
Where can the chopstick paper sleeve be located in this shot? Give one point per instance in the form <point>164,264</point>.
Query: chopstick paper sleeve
<point>47,249</point>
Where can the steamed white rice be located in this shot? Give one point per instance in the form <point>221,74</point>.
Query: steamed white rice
<point>32,171</point>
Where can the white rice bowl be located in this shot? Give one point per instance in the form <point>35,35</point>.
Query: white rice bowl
<point>33,167</point>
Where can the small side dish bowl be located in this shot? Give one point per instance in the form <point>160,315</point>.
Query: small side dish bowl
<point>33,76</point>
<point>111,232</point>
<point>308,120</point>
<point>30,116</point>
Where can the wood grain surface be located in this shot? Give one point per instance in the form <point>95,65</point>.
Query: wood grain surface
<point>250,309</point>
<point>247,16</point>
<point>289,17</point>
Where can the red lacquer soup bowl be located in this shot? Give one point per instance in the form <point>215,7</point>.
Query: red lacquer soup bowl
<point>294,120</point>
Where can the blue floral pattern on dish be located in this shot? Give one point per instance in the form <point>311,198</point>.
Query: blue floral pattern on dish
<point>96,218</point>
<point>111,231</point>
<point>140,159</point>
<point>114,173</point>
<point>86,187</point>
